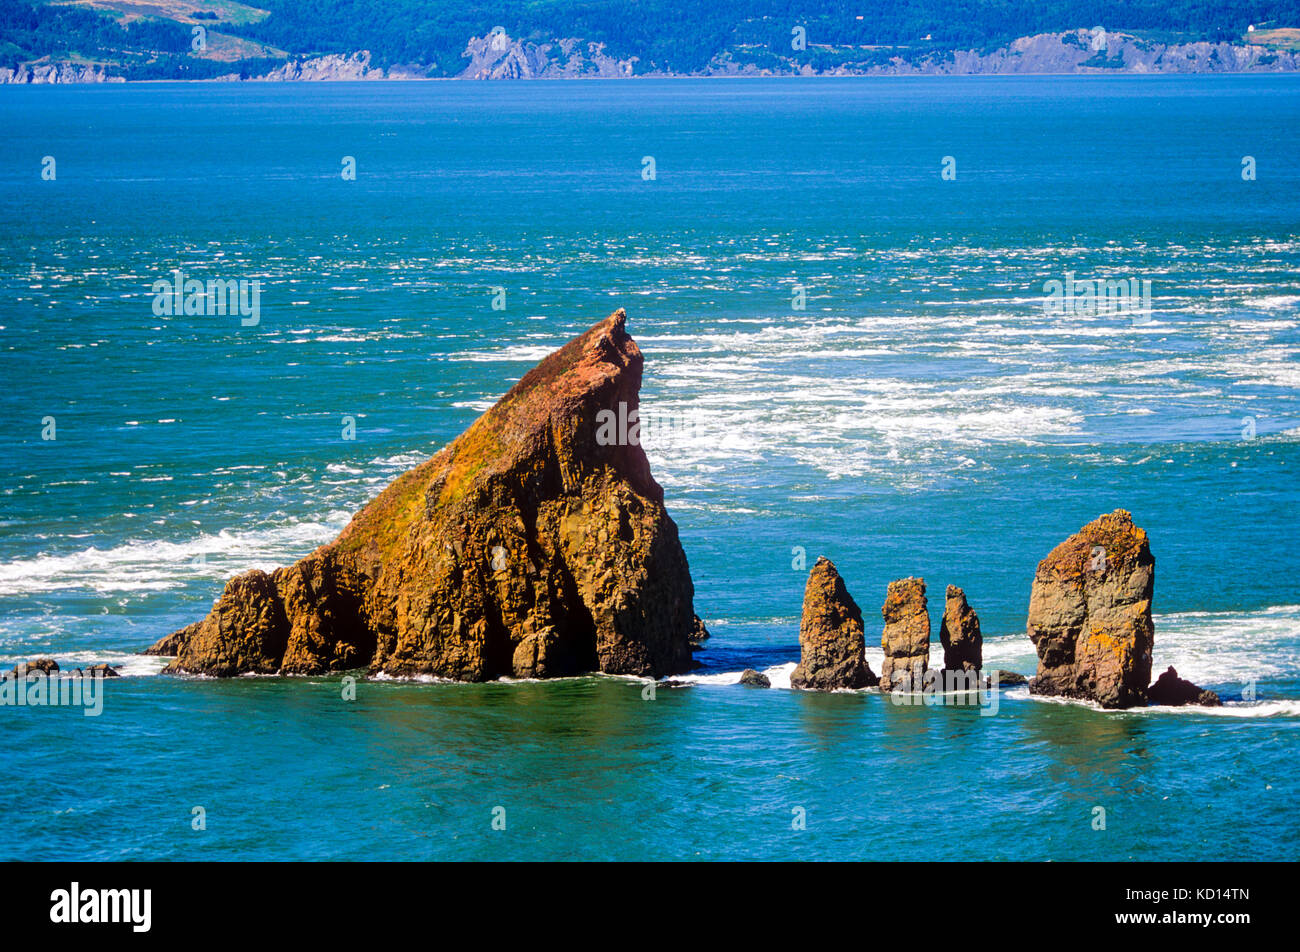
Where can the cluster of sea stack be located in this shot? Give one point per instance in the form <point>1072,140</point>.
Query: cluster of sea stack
<point>1089,620</point>
<point>534,546</point>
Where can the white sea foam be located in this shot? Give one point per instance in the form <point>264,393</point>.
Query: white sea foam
<point>126,664</point>
<point>515,353</point>
<point>1265,708</point>
<point>1229,648</point>
<point>161,565</point>
<point>779,675</point>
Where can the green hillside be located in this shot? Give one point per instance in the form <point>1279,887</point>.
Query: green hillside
<point>143,39</point>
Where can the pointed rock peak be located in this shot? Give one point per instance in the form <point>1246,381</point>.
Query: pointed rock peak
<point>826,595</point>
<point>832,644</point>
<point>959,633</point>
<point>589,360</point>
<point>536,544</point>
<point>823,567</point>
<point>573,416</point>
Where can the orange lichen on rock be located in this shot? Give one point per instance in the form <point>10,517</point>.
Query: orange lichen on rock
<point>1090,614</point>
<point>906,638</point>
<point>528,547</point>
<point>832,640</point>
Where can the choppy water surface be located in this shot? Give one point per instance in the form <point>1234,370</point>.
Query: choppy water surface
<point>924,414</point>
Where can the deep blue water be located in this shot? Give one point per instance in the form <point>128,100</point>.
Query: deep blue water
<point>924,415</point>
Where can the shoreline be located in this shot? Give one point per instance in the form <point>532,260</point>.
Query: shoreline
<point>664,77</point>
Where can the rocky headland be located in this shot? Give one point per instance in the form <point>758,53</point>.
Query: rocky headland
<point>535,545</point>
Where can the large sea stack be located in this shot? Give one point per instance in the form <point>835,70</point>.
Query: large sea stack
<point>534,545</point>
<point>906,638</point>
<point>1090,615</point>
<point>832,642</point>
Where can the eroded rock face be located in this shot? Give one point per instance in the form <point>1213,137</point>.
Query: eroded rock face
<point>906,638</point>
<point>832,643</point>
<point>959,633</point>
<point>1174,691</point>
<point>535,545</point>
<point>497,56</point>
<point>169,646</point>
<point>1090,614</point>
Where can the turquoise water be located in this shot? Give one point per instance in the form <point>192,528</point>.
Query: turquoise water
<point>923,415</point>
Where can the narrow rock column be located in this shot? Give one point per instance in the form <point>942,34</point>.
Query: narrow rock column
<point>906,639</point>
<point>959,633</point>
<point>832,644</point>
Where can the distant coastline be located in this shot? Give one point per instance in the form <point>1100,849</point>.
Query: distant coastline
<point>496,56</point>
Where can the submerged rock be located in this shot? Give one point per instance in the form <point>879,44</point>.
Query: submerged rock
<point>1010,678</point>
<point>45,666</point>
<point>102,671</point>
<point>906,638</point>
<point>755,678</point>
<point>832,644</point>
<point>959,633</point>
<point>1090,614</point>
<point>1170,689</point>
<point>534,545</point>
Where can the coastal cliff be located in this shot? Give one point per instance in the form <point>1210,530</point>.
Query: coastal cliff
<point>44,73</point>
<point>495,55</point>
<point>534,545</point>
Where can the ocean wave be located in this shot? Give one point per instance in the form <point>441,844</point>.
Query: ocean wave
<point>1267,708</point>
<point>126,664</point>
<point>159,565</point>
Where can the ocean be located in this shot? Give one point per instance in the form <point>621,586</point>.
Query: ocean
<point>841,288</point>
